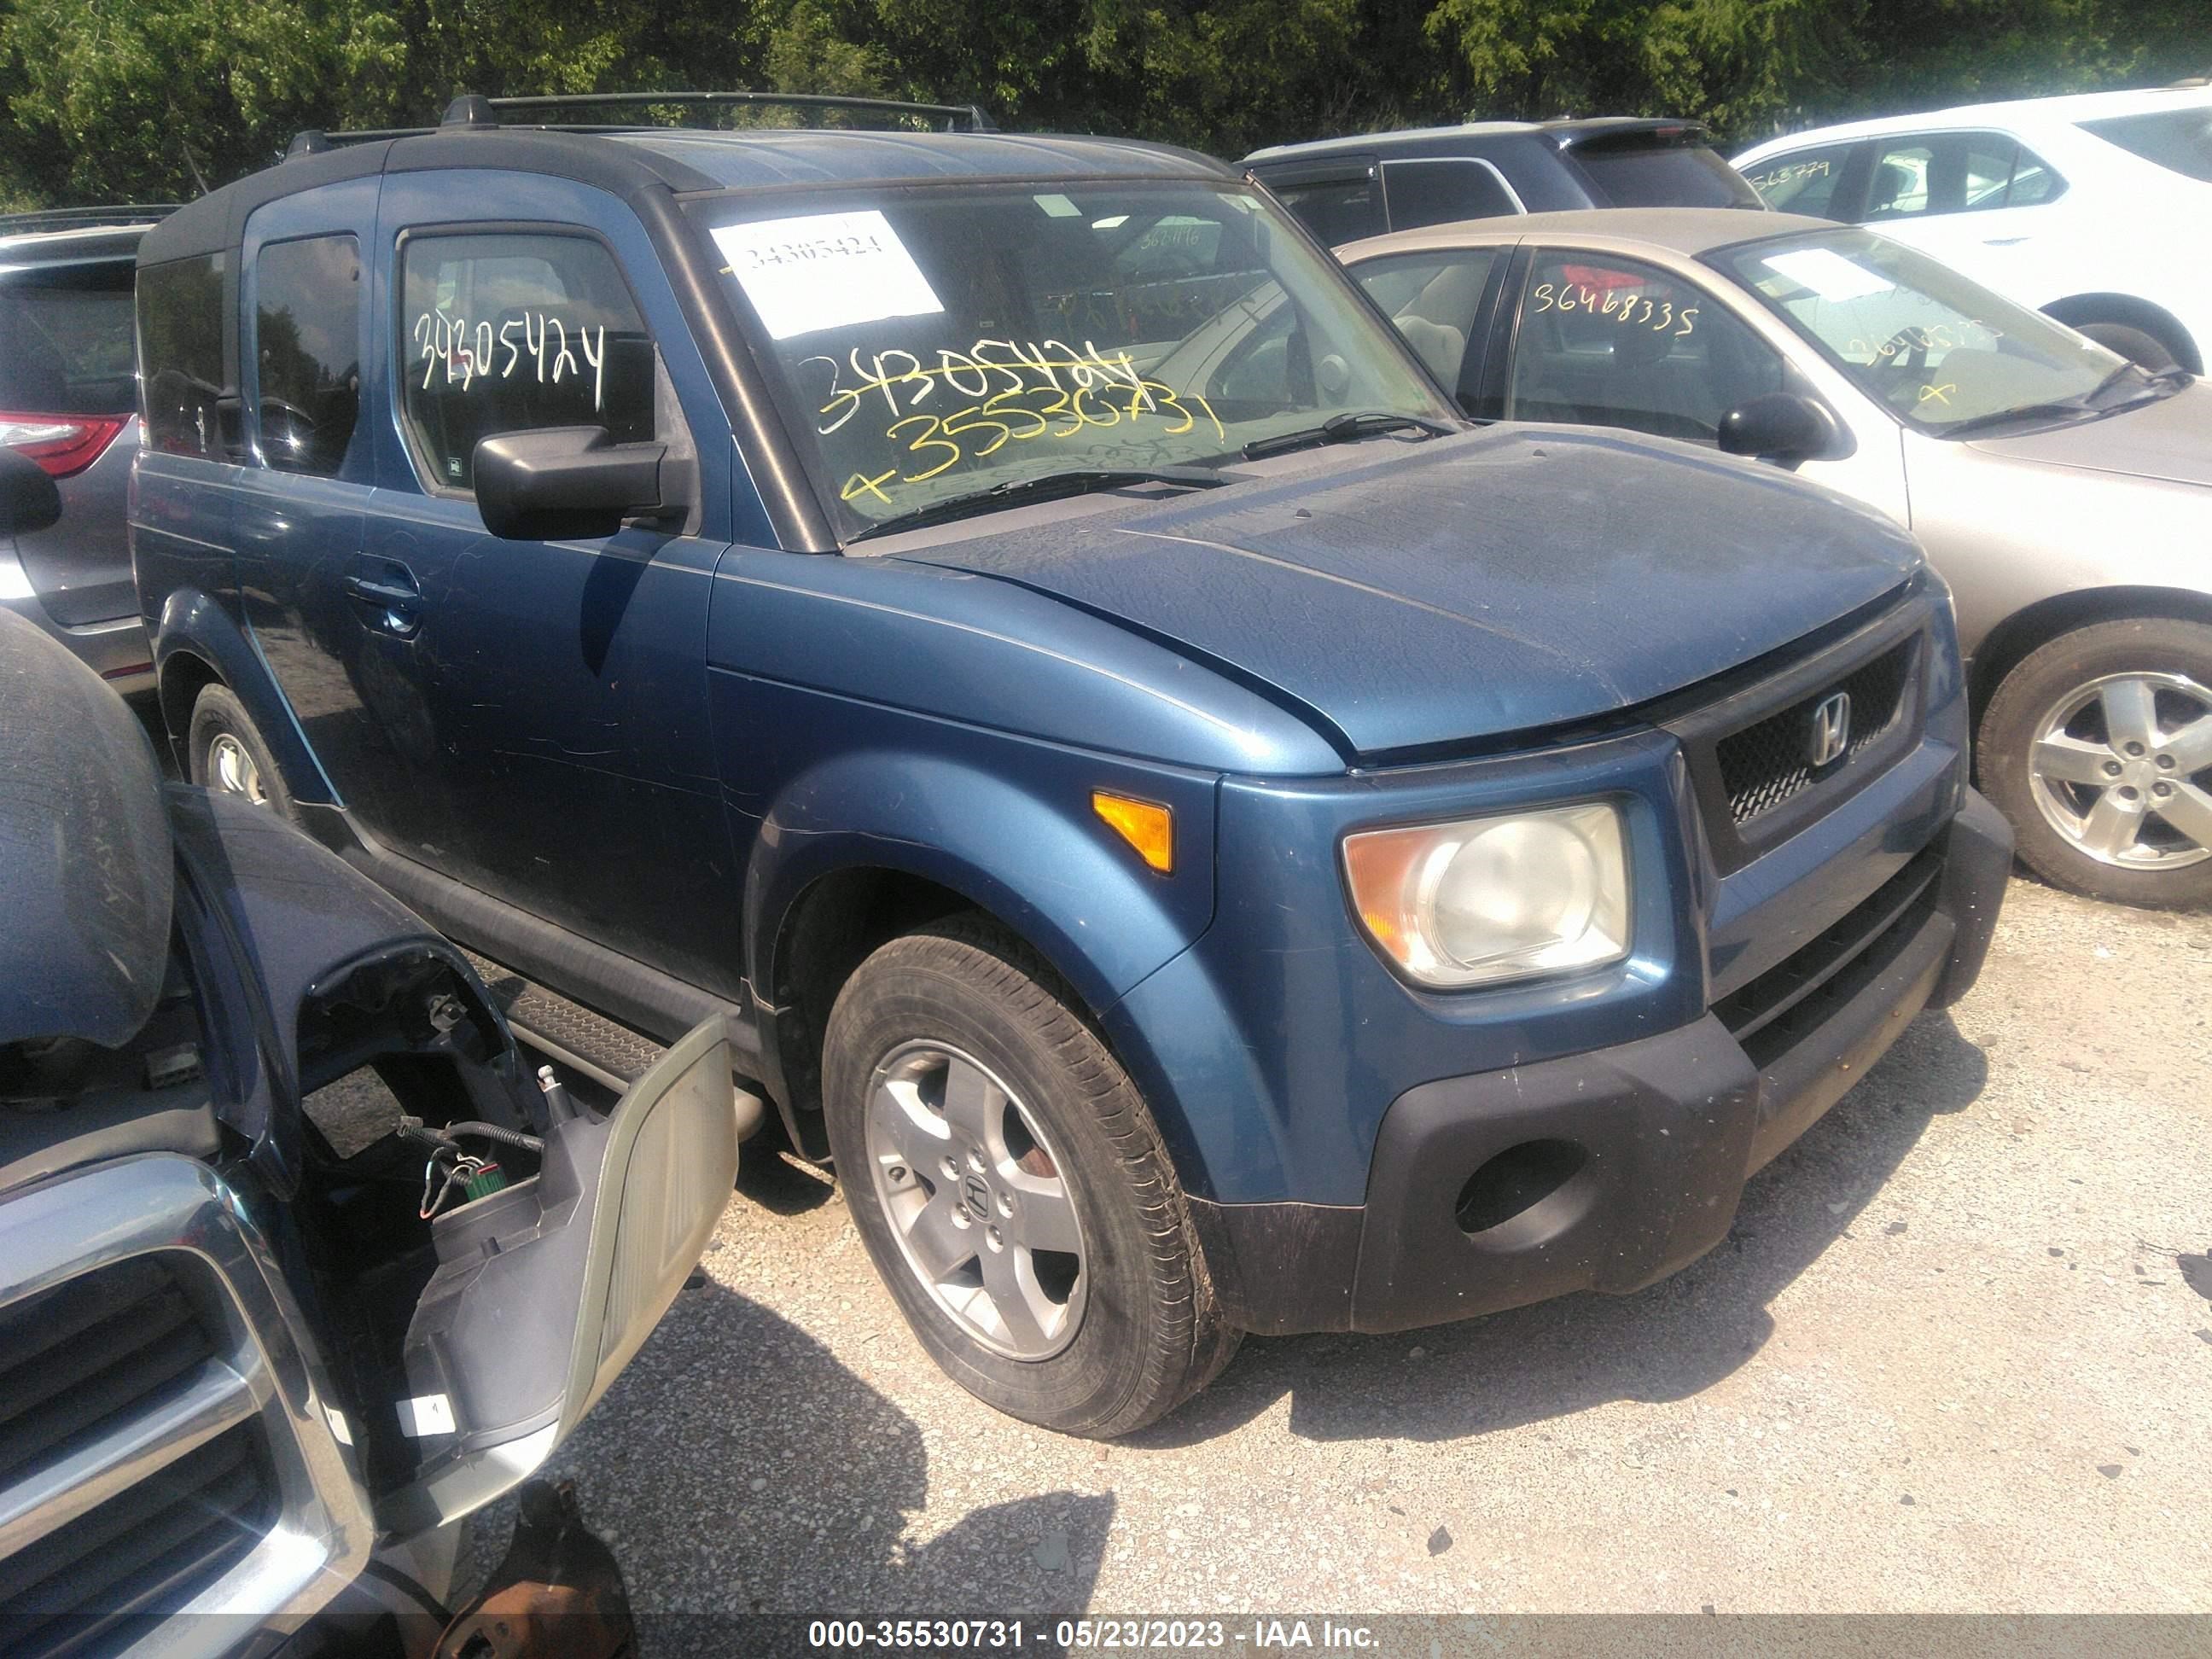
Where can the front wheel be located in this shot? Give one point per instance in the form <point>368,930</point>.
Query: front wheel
<point>1012,1188</point>
<point>2097,746</point>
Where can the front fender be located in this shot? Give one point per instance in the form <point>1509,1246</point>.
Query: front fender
<point>1004,821</point>
<point>197,640</point>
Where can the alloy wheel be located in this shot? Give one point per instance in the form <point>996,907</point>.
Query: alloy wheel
<point>2120,767</point>
<point>973,1192</point>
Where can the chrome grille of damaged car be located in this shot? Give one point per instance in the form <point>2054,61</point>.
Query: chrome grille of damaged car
<point>166,1446</point>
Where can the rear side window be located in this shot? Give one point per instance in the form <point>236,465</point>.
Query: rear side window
<point>65,342</point>
<point>1337,210</point>
<point>1800,180</point>
<point>306,339</point>
<point>2179,140</point>
<point>1643,173</point>
<point>1440,191</point>
<point>1957,173</point>
<point>516,332</point>
<point>181,355</point>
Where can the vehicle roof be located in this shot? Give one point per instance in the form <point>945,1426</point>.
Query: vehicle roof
<point>78,244</point>
<point>764,158</point>
<point>684,160</point>
<point>2061,110</point>
<point>1684,230</point>
<point>1563,131</point>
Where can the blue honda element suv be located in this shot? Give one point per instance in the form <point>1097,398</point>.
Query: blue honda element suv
<point>1203,837</point>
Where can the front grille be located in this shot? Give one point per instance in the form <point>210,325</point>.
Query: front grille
<point>1793,999</point>
<point>122,1418</point>
<point>1765,764</point>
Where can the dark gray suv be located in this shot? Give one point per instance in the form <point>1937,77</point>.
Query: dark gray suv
<point>1345,189</point>
<point>69,400</point>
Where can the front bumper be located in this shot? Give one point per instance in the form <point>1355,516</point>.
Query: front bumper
<point>1609,1169</point>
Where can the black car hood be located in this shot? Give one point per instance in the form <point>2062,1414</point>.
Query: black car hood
<point>87,875</point>
<point>1418,595</point>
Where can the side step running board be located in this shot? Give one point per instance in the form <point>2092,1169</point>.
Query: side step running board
<point>609,1054</point>
<point>567,1031</point>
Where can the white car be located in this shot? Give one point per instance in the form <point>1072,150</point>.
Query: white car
<point>2096,208</point>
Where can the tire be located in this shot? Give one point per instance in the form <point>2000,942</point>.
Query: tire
<point>2132,343</point>
<point>956,1016</point>
<point>2055,755</point>
<point>226,752</point>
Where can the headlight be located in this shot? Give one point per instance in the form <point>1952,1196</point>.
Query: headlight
<point>1497,898</point>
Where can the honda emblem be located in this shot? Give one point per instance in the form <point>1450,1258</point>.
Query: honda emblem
<point>1830,733</point>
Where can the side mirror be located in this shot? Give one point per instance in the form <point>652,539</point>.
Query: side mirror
<point>29,498</point>
<point>566,483</point>
<point>1779,427</point>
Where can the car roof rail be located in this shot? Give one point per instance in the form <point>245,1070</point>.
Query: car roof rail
<point>78,218</point>
<point>474,111</point>
<point>471,110</point>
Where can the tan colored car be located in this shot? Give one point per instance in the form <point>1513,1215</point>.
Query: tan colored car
<point>2065,494</point>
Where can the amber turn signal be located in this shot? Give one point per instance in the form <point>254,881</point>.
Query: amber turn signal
<point>1145,825</point>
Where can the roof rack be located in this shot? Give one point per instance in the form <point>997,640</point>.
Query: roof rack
<point>473,110</point>
<point>77,218</point>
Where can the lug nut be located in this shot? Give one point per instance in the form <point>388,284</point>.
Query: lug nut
<point>975,1160</point>
<point>1005,1203</point>
<point>2165,762</point>
<point>2161,790</point>
<point>2128,792</point>
<point>896,1173</point>
<point>2134,749</point>
<point>997,1242</point>
<point>960,1215</point>
<point>951,1168</point>
<point>2112,768</point>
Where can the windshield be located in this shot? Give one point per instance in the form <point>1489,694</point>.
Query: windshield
<point>936,342</point>
<point>1936,349</point>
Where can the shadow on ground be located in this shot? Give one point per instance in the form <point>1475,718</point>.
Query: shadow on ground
<point>1664,1343</point>
<point>737,1469</point>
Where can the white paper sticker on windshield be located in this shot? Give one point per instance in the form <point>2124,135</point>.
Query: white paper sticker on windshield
<point>1828,274</point>
<point>825,271</point>
<point>1058,206</point>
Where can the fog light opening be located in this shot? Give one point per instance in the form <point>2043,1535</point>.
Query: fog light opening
<point>1516,1182</point>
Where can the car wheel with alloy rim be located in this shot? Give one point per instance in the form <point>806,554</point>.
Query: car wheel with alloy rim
<point>1012,1187</point>
<point>2099,747</point>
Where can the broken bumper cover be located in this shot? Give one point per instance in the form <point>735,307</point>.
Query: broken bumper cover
<point>1609,1169</point>
<point>545,1290</point>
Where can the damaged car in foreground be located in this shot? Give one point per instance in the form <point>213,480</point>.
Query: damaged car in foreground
<point>263,1321</point>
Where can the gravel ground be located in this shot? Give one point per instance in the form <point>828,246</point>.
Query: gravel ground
<point>1945,1361</point>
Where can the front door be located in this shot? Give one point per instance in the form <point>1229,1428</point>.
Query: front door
<point>543,704</point>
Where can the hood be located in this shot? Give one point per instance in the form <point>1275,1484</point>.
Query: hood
<point>86,870</point>
<point>2171,439</point>
<point>1416,595</point>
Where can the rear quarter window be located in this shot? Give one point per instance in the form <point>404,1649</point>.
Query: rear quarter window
<point>180,308</point>
<point>1336,210</point>
<point>65,342</point>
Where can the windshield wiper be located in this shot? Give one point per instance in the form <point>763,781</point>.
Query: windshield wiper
<point>1042,487</point>
<point>1343,429</point>
<point>2082,403</point>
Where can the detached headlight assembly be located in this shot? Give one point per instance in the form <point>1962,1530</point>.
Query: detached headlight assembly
<point>1485,900</point>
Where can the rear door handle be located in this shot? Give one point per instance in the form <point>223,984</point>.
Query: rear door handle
<point>392,591</point>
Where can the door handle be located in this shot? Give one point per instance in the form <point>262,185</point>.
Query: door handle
<point>394,593</point>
